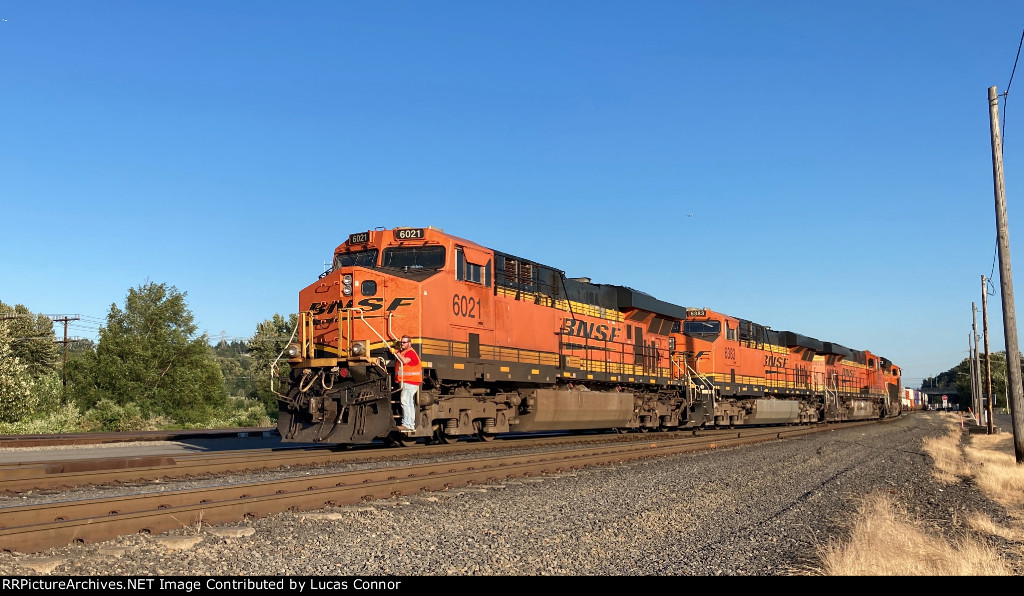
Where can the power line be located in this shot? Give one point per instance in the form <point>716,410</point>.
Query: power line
<point>36,338</point>
<point>1007,92</point>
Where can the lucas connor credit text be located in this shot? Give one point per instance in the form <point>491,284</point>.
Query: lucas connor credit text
<point>292,585</point>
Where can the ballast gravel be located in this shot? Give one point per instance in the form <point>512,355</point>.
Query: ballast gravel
<point>759,510</point>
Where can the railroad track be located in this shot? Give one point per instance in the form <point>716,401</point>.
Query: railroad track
<point>130,437</point>
<point>62,474</point>
<point>65,474</point>
<point>34,528</point>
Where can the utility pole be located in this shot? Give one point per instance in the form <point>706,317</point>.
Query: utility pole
<point>56,319</point>
<point>64,363</point>
<point>976,364</point>
<point>974,373</point>
<point>988,359</point>
<point>1014,397</point>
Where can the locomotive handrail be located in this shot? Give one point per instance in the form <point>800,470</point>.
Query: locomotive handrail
<point>306,337</point>
<point>704,380</point>
<point>705,383</point>
<point>273,367</point>
<point>833,395</point>
<point>359,311</point>
<point>675,365</point>
<point>398,361</point>
<point>391,333</point>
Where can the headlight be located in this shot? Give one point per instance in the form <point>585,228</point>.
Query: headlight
<point>292,351</point>
<point>346,284</point>
<point>358,348</point>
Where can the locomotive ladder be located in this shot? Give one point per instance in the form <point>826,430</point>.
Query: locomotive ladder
<point>701,384</point>
<point>832,395</point>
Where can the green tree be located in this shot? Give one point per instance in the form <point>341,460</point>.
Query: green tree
<point>959,378</point>
<point>962,382</point>
<point>265,346</point>
<point>234,361</point>
<point>15,381</point>
<point>147,356</point>
<point>999,378</point>
<point>32,340</point>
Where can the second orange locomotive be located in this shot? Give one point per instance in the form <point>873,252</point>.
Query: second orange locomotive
<point>511,345</point>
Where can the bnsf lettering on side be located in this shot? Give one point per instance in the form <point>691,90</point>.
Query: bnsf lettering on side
<point>410,234</point>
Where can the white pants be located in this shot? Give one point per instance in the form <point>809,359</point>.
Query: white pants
<point>409,392</point>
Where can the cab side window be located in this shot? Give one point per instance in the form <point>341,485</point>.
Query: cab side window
<point>473,272</point>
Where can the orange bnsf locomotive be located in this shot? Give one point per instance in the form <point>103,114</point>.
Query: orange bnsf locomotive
<point>510,345</point>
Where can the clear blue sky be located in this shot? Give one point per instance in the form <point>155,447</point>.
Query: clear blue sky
<point>820,167</point>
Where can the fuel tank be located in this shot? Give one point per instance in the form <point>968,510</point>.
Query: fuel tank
<point>572,409</point>
<point>773,411</point>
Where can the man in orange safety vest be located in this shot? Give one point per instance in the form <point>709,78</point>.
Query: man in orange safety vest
<point>410,375</point>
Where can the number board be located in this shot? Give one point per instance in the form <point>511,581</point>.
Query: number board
<point>696,312</point>
<point>360,238</point>
<point>410,234</point>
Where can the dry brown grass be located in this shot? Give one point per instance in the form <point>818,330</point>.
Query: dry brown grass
<point>886,540</point>
<point>949,462</point>
<point>981,522</point>
<point>993,466</point>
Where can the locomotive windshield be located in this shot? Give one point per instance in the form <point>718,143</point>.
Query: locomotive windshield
<point>414,257</point>
<point>706,330</point>
<point>361,258</point>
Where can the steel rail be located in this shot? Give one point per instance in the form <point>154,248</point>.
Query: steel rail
<point>15,441</point>
<point>64,474</point>
<point>34,528</point>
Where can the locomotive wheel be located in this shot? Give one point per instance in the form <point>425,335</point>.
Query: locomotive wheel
<point>480,434</point>
<point>398,439</point>
<point>441,437</point>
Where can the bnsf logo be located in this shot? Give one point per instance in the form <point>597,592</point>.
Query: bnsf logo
<point>589,330</point>
<point>367,304</point>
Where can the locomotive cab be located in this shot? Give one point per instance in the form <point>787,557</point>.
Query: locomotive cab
<point>341,386</point>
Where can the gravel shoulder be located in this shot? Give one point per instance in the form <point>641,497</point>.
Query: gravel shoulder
<point>758,510</point>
